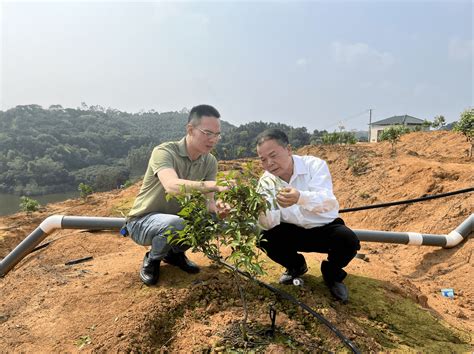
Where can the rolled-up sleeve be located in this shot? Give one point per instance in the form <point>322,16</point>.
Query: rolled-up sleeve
<point>268,186</point>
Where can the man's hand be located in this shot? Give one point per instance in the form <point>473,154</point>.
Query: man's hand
<point>287,197</point>
<point>222,209</point>
<point>220,188</point>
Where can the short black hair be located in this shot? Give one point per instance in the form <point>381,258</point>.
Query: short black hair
<point>273,134</point>
<point>202,110</point>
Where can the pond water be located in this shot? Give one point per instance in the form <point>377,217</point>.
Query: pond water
<point>10,203</point>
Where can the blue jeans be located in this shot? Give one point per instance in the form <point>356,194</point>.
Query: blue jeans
<point>150,229</point>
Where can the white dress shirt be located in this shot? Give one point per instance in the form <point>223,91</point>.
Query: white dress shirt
<point>316,206</point>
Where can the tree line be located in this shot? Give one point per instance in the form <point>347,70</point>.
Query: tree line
<point>55,149</point>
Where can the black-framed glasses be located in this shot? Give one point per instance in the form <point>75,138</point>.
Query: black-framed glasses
<point>210,134</point>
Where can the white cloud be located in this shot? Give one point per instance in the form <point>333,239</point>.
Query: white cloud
<point>356,54</point>
<point>460,49</point>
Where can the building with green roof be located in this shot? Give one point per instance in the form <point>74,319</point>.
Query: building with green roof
<point>376,128</point>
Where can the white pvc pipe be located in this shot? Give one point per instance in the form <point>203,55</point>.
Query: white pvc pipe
<point>50,224</point>
<point>104,223</point>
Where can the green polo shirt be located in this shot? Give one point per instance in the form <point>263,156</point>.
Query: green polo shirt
<point>152,196</point>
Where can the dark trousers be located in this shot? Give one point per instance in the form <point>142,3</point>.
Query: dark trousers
<point>284,241</point>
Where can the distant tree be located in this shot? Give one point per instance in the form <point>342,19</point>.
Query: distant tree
<point>317,136</point>
<point>427,124</point>
<point>29,205</point>
<point>465,125</point>
<point>110,177</point>
<point>85,190</point>
<point>137,159</point>
<point>55,107</point>
<point>299,137</point>
<point>393,134</point>
<point>339,138</point>
<point>438,122</point>
<point>241,151</point>
<point>127,184</point>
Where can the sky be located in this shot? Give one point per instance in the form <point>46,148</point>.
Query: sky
<point>317,64</point>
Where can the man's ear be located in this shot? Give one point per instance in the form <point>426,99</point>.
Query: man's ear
<point>189,128</point>
<point>290,151</point>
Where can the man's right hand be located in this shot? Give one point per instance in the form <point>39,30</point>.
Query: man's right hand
<point>287,197</point>
<point>212,186</point>
<point>222,209</point>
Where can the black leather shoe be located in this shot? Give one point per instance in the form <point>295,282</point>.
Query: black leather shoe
<point>339,291</point>
<point>150,272</point>
<point>180,260</point>
<point>288,276</point>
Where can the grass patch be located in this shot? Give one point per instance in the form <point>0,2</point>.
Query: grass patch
<point>397,322</point>
<point>379,317</point>
<point>378,310</point>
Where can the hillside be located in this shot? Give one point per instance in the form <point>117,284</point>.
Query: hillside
<point>53,150</point>
<point>395,300</point>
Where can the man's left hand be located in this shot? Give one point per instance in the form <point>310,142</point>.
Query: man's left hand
<point>287,197</point>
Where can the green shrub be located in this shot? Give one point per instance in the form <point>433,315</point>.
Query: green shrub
<point>29,205</point>
<point>357,164</point>
<point>85,190</point>
<point>465,125</point>
<point>207,233</point>
<point>239,231</point>
<point>127,184</point>
<point>393,134</point>
<point>339,138</point>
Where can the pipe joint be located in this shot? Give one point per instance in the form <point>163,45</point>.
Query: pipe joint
<point>453,239</point>
<point>51,223</point>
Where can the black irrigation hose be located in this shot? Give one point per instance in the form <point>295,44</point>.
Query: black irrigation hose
<point>421,199</point>
<point>46,244</point>
<point>295,301</point>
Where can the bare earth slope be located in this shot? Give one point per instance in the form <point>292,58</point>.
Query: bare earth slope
<point>101,304</point>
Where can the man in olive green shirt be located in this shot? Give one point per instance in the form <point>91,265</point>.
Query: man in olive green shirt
<point>173,165</point>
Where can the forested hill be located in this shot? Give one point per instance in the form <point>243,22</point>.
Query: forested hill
<point>55,149</point>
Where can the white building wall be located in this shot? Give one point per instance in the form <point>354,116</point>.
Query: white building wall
<point>374,131</point>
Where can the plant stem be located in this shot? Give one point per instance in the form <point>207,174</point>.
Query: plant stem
<point>243,326</point>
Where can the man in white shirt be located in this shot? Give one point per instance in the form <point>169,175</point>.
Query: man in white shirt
<point>304,214</point>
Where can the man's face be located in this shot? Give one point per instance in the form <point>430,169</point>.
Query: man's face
<point>275,158</point>
<point>206,134</point>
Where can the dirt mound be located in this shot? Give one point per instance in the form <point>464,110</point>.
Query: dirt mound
<point>396,303</point>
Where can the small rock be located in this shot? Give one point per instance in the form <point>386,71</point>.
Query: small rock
<point>422,300</point>
<point>3,317</point>
<point>212,308</point>
<point>461,315</point>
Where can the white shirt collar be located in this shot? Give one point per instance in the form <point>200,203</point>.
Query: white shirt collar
<point>299,167</point>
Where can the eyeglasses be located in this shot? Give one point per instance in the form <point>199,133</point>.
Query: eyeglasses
<point>210,134</point>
